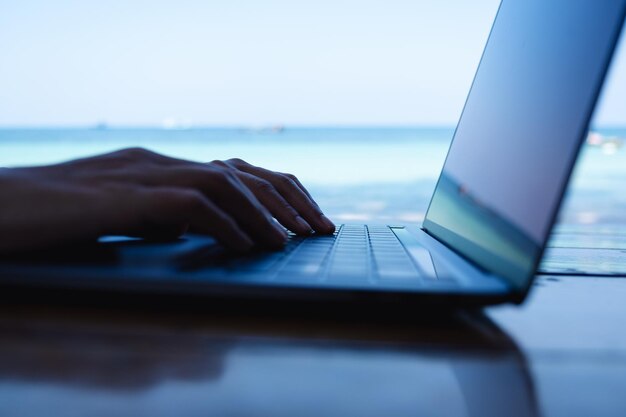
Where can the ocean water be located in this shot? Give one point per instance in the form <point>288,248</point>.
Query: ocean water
<point>356,174</point>
<point>320,156</point>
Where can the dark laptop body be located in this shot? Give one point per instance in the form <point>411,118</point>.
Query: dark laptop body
<point>524,122</point>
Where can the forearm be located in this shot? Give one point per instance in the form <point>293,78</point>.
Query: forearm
<point>37,213</point>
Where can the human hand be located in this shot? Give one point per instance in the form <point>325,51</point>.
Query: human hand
<point>136,192</point>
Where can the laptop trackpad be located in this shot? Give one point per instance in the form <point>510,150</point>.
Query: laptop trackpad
<point>419,253</point>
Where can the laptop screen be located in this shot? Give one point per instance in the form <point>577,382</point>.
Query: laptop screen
<point>521,129</point>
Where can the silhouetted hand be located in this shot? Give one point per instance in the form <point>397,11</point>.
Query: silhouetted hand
<point>136,192</point>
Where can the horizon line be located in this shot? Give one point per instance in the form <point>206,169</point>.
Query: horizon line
<point>243,126</point>
<point>252,127</point>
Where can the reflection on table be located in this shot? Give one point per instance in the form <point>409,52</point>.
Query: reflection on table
<point>65,363</point>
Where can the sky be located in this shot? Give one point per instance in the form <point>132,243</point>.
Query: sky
<point>247,62</point>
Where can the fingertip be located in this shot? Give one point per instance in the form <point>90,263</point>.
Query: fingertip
<point>304,228</point>
<point>327,225</point>
<point>279,235</point>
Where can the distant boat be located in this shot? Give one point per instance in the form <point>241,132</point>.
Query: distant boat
<point>171,123</point>
<point>278,129</point>
<point>275,129</point>
<point>608,145</point>
<point>101,126</point>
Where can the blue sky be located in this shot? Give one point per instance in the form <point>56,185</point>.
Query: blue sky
<point>247,62</point>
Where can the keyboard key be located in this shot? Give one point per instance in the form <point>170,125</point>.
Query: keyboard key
<point>306,268</point>
<point>400,270</point>
<point>344,271</point>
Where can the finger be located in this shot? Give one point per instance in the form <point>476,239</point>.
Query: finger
<point>292,193</point>
<point>171,207</point>
<point>226,191</point>
<point>232,195</point>
<point>137,211</point>
<point>275,203</point>
<point>299,184</point>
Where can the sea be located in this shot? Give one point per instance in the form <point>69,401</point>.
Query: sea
<point>355,173</point>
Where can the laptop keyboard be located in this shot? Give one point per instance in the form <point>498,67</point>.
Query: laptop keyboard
<point>353,252</point>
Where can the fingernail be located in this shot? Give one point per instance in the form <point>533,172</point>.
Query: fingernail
<point>327,223</point>
<point>303,225</point>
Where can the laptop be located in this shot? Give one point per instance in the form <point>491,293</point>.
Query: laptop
<point>524,122</point>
